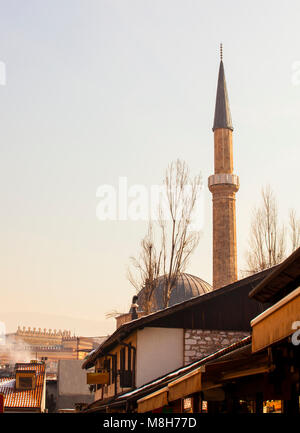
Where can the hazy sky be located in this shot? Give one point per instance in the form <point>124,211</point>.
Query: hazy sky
<point>100,89</point>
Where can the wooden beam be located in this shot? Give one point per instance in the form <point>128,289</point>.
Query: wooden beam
<point>248,372</point>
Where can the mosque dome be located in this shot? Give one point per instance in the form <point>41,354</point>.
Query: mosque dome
<point>186,287</point>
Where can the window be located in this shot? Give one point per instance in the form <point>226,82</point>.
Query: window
<point>106,364</point>
<point>98,370</point>
<point>114,369</point>
<point>25,382</point>
<point>125,379</point>
<point>122,359</point>
<point>25,379</point>
<point>129,358</point>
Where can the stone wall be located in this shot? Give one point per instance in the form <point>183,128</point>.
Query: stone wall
<point>199,343</point>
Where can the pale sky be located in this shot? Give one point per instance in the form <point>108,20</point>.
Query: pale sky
<point>100,89</point>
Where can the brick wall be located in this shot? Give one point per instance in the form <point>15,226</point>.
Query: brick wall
<point>126,317</point>
<point>199,343</point>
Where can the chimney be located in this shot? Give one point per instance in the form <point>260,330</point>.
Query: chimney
<point>134,307</point>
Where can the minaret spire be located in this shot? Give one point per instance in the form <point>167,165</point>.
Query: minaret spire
<point>223,185</point>
<point>222,110</point>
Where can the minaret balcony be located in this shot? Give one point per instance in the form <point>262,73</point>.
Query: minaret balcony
<point>224,179</point>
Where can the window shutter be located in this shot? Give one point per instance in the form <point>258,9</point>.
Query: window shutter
<point>129,359</point>
<point>122,359</point>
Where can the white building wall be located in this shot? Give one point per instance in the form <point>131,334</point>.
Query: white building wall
<point>159,350</point>
<point>43,401</point>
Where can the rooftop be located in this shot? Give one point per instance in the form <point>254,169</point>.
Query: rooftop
<point>279,283</point>
<point>31,398</point>
<point>186,287</point>
<point>231,351</point>
<point>211,310</point>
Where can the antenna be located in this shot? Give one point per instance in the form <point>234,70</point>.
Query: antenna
<point>221,51</point>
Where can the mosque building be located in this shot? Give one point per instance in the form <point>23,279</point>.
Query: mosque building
<point>223,185</point>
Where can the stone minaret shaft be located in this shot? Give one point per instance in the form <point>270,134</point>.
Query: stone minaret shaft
<point>223,185</point>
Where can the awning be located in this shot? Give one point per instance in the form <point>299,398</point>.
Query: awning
<point>179,388</point>
<point>276,323</point>
<point>185,385</point>
<point>153,401</point>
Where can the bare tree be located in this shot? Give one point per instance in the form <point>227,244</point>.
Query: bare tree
<point>178,240</point>
<point>147,269</point>
<point>294,226</point>
<point>112,314</point>
<point>267,237</point>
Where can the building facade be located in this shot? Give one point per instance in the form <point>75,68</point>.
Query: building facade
<point>151,346</point>
<point>49,345</point>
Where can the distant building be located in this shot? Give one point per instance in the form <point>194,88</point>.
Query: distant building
<point>70,389</point>
<point>48,345</point>
<point>24,389</point>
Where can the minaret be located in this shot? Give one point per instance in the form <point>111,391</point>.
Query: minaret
<point>223,185</point>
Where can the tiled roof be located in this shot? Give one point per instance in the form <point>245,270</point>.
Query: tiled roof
<point>31,398</point>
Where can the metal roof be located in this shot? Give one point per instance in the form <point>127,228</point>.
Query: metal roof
<point>222,110</point>
<point>186,287</point>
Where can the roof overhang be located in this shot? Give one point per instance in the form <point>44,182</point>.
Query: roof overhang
<point>283,280</point>
<point>185,385</point>
<point>176,389</point>
<point>153,401</point>
<point>277,322</point>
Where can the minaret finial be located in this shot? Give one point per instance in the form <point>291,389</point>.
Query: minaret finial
<point>221,51</point>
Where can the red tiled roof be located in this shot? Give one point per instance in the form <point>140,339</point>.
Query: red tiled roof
<point>31,398</point>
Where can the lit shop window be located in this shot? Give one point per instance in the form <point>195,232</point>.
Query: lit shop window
<point>272,406</point>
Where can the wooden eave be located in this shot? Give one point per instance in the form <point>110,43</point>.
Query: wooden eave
<point>280,282</point>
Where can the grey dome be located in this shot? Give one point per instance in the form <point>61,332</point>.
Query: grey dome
<point>186,287</point>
